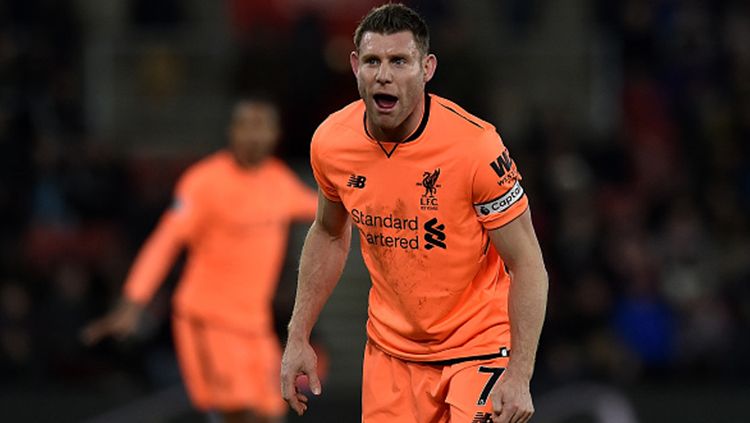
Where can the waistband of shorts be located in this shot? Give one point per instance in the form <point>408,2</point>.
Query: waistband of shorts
<point>502,353</point>
<point>214,324</point>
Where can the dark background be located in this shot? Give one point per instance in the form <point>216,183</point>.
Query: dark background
<point>630,121</point>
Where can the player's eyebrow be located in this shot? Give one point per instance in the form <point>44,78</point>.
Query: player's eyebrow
<point>390,57</point>
<point>368,56</point>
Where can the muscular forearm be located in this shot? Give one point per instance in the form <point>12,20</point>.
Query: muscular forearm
<point>323,259</point>
<point>526,305</point>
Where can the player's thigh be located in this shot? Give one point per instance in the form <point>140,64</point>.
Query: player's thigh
<point>385,388</point>
<point>395,391</point>
<point>229,370</point>
<point>265,369</point>
<point>189,341</point>
<point>469,390</point>
<point>249,367</point>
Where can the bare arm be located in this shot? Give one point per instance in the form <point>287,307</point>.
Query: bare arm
<point>323,257</point>
<point>517,244</point>
<point>148,272</point>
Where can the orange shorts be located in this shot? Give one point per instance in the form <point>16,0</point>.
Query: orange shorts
<point>226,370</point>
<point>398,391</point>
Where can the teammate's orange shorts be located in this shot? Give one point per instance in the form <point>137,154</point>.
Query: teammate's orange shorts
<point>398,391</point>
<point>227,370</point>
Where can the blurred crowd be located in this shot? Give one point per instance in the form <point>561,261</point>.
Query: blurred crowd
<point>645,228</point>
<point>72,212</point>
<point>647,231</point>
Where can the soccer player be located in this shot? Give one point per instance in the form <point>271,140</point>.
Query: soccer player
<point>459,286</point>
<point>232,211</point>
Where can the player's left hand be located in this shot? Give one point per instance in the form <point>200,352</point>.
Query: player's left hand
<point>511,400</point>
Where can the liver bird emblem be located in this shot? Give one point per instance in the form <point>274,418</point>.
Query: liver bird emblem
<point>429,182</point>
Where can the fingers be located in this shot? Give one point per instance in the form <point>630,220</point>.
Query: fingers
<point>523,416</point>
<point>522,411</point>
<point>94,332</point>
<point>312,376</point>
<point>120,324</point>
<point>506,410</point>
<point>504,416</point>
<point>298,370</point>
<point>301,404</point>
<point>512,413</point>
<point>296,401</point>
<point>290,391</point>
<point>497,406</point>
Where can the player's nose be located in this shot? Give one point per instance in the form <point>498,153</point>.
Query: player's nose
<point>384,74</point>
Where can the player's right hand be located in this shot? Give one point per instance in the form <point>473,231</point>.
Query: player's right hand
<point>299,359</point>
<point>120,323</point>
<point>511,399</point>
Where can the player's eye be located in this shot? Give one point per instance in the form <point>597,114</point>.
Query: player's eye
<point>372,61</point>
<point>400,61</point>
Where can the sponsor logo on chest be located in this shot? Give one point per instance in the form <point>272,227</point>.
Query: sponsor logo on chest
<point>392,228</point>
<point>393,231</point>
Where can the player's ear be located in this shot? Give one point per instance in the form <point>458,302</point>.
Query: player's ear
<point>429,65</point>
<point>354,61</point>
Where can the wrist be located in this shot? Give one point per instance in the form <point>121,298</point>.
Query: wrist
<point>296,334</point>
<point>518,373</point>
<point>128,305</point>
<point>128,302</point>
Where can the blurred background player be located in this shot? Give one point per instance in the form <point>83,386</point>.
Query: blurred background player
<point>232,211</point>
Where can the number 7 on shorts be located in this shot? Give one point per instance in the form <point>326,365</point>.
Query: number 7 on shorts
<point>495,373</point>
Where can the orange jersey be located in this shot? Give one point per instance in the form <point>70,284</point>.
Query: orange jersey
<point>423,208</point>
<point>235,223</point>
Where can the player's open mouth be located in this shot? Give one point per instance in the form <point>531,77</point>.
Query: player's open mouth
<point>385,102</point>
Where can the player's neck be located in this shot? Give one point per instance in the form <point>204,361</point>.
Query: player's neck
<point>246,162</point>
<point>401,132</point>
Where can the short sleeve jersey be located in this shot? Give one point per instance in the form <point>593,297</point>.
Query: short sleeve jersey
<point>423,209</point>
<point>235,223</point>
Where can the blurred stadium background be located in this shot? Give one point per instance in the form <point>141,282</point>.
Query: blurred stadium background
<point>630,120</point>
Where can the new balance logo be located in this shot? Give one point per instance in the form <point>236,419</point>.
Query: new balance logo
<point>356,181</point>
<point>435,234</point>
<point>481,417</point>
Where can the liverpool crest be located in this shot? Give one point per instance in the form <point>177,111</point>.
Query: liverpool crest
<point>429,200</point>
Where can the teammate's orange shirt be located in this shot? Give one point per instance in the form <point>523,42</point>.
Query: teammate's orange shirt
<point>235,223</point>
<point>423,208</point>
